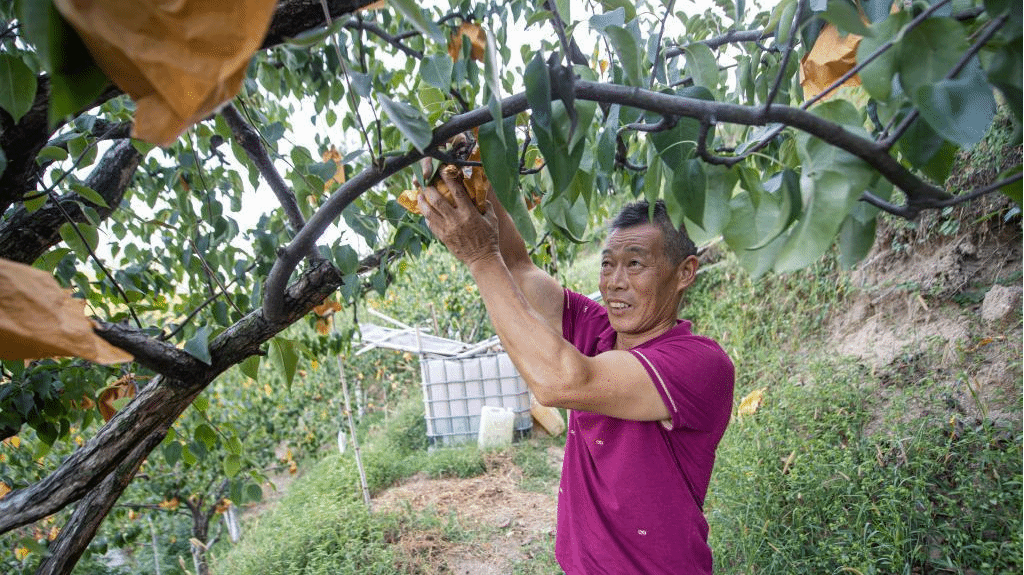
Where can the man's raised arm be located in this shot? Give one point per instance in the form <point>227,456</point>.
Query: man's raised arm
<point>542,291</point>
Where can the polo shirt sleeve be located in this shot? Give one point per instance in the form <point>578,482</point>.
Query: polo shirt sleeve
<point>695,379</point>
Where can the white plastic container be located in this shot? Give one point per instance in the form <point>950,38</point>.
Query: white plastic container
<point>455,390</point>
<point>495,427</point>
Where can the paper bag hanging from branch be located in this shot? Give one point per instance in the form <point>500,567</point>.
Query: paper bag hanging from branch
<point>178,59</point>
<point>831,57</point>
<point>40,319</point>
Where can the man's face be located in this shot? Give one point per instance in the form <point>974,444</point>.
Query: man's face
<point>639,284</point>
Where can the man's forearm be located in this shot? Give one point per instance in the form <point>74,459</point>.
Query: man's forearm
<point>551,366</point>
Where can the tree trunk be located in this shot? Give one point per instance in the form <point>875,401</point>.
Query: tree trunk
<point>65,552</point>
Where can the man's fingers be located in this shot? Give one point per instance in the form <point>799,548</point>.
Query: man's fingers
<point>429,200</point>
<point>459,192</point>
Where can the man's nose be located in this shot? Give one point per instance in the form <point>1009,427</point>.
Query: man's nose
<point>617,278</point>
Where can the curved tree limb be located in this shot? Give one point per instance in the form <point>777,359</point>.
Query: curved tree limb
<point>250,141</point>
<point>920,194</point>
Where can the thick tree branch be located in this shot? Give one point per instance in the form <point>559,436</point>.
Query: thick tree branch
<point>161,402</point>
<point>294,17</point>
<point>919,192</point>
<point>25,236</point>
<point>76,534</point>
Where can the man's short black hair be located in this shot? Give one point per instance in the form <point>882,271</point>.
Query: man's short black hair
<point>678,245</point>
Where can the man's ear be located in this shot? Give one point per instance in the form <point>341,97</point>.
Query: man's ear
<point>686,272</point>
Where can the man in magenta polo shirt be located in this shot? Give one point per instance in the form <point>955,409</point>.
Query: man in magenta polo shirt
<point>648,400</point>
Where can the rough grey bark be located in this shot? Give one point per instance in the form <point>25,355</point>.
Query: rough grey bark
<point>25,236</point>
<point>75,536</point>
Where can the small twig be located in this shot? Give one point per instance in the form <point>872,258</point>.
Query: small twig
<point>74,166</point>
<point>360,24</point>
<point>447,158</point>
<point>786,55</point>
<point>96,260</point>
<point>622,157</point>
<point>563,39</point>
<point>348,88</point>
<point>667,122</point>
<point>975,194</point>
<point>463,104</point>
<point>661,35</point>
<point>901,211</point>
<point>707,156</point>
<point>192,314</point>
<point>522,154</point>
<point>719,41</point>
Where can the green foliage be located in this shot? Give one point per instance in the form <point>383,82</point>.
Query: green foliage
<point>803,487</point>
<point>320,526</point>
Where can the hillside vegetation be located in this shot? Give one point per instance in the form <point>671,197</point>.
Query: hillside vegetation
<point>887,437</point>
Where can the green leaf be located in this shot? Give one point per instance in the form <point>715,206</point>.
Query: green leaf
<point>233,444</point>
<point>90,195</point>
<point>677,145</point>
<point>253,493</point>
<point>746,225</point>
<point>782,197</point>
<point>929,51</point>
<point>172,453</point>
<point>702,66</point>
<point>187,456</point>
<point>17,86</point>
<point>74,240</point>
<point>411,12</point>
<point>627,6</point>
<point>959,110</point>
<point>845,18</point>
<point>1005,73</point>
<point>855,240</point>
<point>250,367</point>
<point>720,185</point>
<point>616,17</point>
<point>232,465</point>
<point>437,71</point>
<point>492,81</point>
<point>284,357</point>
<point>323,170</point>
<point>49,260</point>
<point>408,120</point>
<point>877,77</point>
<point>689,189</point>
<point>500,158</point>
<point>52,153</point>
<point>37,201</point>
<point>346,258</point>
<point>627,46</point>
<point>538,91</point>
<point>206,435</point>
<point>199,345</point>
<point>201,403</point>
